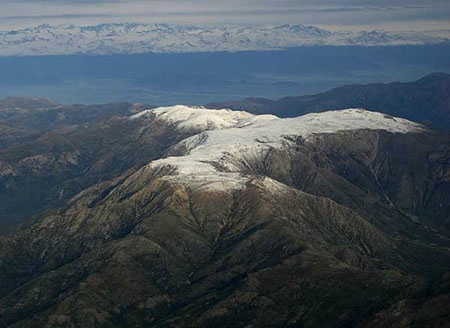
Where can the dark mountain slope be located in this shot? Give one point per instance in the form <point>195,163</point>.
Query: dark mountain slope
<point>156,253</point>
<point>26,119</point>
<point>44,173</point>
<point>50,152</point>
<point>43,115</point>
<point>427,99</point>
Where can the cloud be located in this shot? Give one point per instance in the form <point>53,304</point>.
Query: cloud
<point>354,13</point>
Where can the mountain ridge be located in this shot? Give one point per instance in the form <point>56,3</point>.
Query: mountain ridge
<point>427,99</point>
<point>119,38</point>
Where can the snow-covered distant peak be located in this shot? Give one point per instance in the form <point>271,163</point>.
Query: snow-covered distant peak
<point>124,38</point>
<point>232,143</point>
<point>197,119</point>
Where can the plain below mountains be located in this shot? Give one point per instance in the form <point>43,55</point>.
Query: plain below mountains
<point>425,100</point>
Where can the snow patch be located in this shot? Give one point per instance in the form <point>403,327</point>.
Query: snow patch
<point>273,186</point>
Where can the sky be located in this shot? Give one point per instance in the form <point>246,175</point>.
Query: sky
<point>392,15</point>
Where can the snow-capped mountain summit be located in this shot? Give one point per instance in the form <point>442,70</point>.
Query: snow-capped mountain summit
<point>123,38</point>
<point>228,143</point>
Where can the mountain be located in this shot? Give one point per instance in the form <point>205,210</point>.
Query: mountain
<point>42,114</point>
<point>427,99</point>
<point>27,103</point>
<point>128,38</point>
<point>334,219</point>
<point>50,152</point>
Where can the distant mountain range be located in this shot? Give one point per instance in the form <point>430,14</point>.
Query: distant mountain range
<point>126,38</point>
<point>427,99</point>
